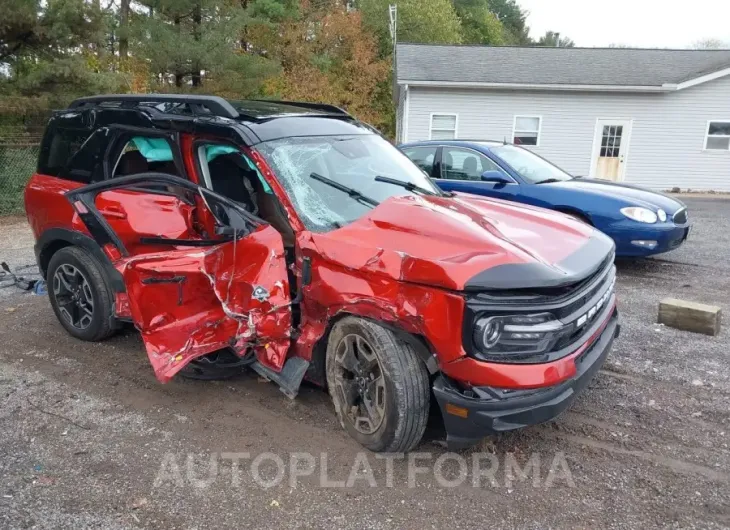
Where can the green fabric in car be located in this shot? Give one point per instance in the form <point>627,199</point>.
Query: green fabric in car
<point>212,151</point>
<point>153,149</point>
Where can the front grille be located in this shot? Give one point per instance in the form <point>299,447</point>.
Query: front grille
<point>680,217</point>
<point>567,340</point>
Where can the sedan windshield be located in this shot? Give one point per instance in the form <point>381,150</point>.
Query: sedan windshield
<point>531,167</point>
<point>326,177</point>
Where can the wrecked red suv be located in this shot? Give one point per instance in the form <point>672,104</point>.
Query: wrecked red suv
<point>293,239</point>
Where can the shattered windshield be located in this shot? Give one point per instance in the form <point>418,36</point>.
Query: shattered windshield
<point>353,162</point>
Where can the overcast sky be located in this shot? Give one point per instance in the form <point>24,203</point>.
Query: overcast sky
<point>638,23</point>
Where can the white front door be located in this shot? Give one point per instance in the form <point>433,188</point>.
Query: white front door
<point>610,148</point>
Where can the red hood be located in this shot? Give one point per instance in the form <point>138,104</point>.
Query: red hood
<point>447,241</point>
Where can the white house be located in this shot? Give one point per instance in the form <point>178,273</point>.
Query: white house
<point>656,118</point>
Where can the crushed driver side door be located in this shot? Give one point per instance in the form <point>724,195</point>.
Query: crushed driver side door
<point>190,297</point>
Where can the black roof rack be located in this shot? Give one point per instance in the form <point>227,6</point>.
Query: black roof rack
<point>307,105</point>
<point>215,105</point>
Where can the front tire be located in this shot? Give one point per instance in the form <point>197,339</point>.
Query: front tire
<point>80,295</point>
<point>379,386</point>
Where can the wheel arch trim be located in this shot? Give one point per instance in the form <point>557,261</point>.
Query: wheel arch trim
<point>53,236</point>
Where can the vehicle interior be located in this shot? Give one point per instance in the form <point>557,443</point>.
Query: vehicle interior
<point>225,170</point>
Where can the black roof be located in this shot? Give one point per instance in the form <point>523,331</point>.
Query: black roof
<point>200,105</point>
<point>255,120</point>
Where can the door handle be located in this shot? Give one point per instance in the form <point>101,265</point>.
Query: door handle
<point>114,213</point>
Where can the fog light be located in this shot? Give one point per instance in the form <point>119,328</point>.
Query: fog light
<point>644,244</point>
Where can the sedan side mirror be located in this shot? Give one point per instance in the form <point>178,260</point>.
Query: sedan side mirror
<point>495,176</point>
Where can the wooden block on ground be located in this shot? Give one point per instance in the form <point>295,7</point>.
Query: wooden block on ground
<point>690,316</point>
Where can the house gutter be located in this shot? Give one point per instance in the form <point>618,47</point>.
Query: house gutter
<point>528,86</point>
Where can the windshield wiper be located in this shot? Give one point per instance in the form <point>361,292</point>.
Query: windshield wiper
<point>548,181</point>
<point>345,189</point>
<point>407,185</point>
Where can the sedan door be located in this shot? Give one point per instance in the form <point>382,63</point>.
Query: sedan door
<point>460,169</point>
<point>190,294</point>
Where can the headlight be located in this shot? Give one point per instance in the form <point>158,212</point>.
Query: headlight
<point>642,215</point>
<point>662,215</point>
<point>516,334</point>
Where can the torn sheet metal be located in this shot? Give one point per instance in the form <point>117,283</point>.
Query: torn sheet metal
<point>213,306</point>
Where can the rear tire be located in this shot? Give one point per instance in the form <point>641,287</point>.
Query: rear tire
<point>378,384</point>
<point>80,295</point>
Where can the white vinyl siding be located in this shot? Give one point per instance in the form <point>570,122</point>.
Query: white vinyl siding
<point>668,139</point>
<point>443,126</point>
<point>718,135</point>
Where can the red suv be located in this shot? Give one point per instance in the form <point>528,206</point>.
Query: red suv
<point>291,238</point>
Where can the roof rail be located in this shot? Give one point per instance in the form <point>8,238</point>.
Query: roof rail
<point>215,104</point>
<point>307,105</point>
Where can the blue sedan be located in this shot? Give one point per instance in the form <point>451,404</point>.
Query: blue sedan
<point>641,222</point>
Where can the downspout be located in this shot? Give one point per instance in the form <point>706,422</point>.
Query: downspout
<point>406,110</point>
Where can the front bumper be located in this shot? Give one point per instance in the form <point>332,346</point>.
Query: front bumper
<point>470,416</point>
<point>668,237</point>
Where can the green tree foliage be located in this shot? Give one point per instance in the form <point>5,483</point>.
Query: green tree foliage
<point>422,21</point>
<point>50,49</point>
<point>554,39</point>
<point>514,20</point>
<point>20,28</point>
<point>337,51</point>
<point>326,56</point>
<point>479,24</point>
<point>200,44</point>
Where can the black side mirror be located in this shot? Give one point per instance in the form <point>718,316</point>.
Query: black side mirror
<point>495,176</point>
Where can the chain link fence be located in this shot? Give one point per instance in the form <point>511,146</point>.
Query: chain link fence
<point>20,138</point>
<point>17,163</point>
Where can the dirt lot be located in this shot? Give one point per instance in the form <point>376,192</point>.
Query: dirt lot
<point>89,439</point>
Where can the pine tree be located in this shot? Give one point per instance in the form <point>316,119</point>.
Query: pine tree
<point>198,44</point>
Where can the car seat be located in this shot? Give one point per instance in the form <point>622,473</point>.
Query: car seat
<point>131,163</point>
<point>470,167</point>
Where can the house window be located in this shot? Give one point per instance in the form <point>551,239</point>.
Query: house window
<point>443,126</point>
<point>718,135</point>
<point>526,130</point>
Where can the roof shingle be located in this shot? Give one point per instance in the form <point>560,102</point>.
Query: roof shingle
<point>555,66</point>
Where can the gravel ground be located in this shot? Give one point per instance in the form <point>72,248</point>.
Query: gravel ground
<point>89,439</point>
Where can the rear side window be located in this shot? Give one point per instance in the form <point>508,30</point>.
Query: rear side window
<point>142,154</point>
<point>423,157</point>
<point>59,146</point>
